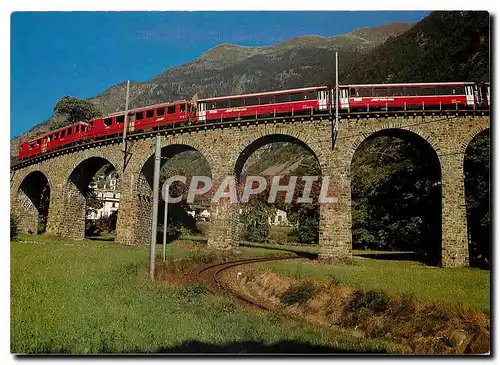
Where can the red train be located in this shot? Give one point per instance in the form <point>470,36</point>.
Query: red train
<point>320,99</point>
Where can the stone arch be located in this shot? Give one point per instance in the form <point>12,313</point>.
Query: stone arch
<point>143,200</point>
<point>474,132</point>
<point>32,202</point>
<point>392,128</point>
<point>76,190</point>
<point>259,140</point>
<point>429,148</point>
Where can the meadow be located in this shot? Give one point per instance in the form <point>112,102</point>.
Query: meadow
<point>84,297</point>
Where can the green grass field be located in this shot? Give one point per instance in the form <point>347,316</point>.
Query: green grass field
<point>466,286</point>
<point>94,297</point>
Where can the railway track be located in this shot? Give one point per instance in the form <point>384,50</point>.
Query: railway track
<point>210,275</point>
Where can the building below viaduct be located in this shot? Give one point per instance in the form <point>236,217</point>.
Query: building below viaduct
<point>226,148</point>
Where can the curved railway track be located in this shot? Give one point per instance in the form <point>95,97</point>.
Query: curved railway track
<point>210,275</point>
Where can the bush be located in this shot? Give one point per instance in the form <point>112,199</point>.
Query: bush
<point>298,293</point>
<point>376,301</point>
<point>193,291</point>
<point>13,228</point>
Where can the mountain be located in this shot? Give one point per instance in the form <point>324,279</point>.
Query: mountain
<point>229,69</point>
<point>444,46</point>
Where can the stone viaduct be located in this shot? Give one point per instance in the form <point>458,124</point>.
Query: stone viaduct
<point>226,148</point>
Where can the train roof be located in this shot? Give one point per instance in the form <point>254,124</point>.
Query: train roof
<point>142,108</point>
<point>265,93</point>
<point>410,84</point>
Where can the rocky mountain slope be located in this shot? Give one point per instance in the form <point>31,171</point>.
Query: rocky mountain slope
<point>229,69</point>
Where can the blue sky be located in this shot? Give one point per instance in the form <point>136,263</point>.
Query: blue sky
<point>83,53</point>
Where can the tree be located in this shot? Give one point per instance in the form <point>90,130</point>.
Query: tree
<point>477,199</point>
<point>255,223</point>
<point>396,197</point>
<point>74,110</point>
<point>13,228</point>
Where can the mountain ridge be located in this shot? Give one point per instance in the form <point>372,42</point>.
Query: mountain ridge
<point>229,69</point>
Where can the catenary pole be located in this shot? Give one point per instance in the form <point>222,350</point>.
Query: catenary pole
<point>165,219</point>
<point>154,221</point>
<point>125,126</point>
<point>336,92</point>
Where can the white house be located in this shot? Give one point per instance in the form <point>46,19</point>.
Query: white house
<point>279,219</point>
<point>106,188</point>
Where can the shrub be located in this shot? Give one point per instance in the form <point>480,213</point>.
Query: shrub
<point>13,228</point>
<point>376,301</point>
<point>193,291</point>
<point>298,294</point>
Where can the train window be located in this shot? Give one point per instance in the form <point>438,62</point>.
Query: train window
<point>353,92</point>
<point>139,115</point>
<point>183,107</point>
<point>77,128</point>
<point>252,101</point>
<point>63,133</point>
<point>108,122</point>
<point>266,100</point>
<point>91,124</point>
<point>38,142</point>
<point>70,130</point>
<point>160,111</point>
<point>150,113</point>
<point>395,91</point>
<point>120,119</point>
<point>364,92</point>
<point>55,136</point>
<point>221,104</point>
<point>459,90</point>
<point>236,102</point>
<point>413,91</point>
<point>171,109</point>
<point>212,105</point>
<point>296,97</point>
<point>429,90</point>
<point>84,128</point>
<point>380,91</point>
<point>31,145</point>
<point>282,98</point>
<point>310,95</point>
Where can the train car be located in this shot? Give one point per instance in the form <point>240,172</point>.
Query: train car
<point>422,96</point>
<point>295,101</point>
<point>484,93</point>
<point>107,126</point>
<point>161,115</point>
<point>52,140</point>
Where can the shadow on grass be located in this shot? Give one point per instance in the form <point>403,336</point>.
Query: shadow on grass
<point>399,256</point>
<point>298,252</point>
<point>98,238</point>
<point>236,348</point>
<point>255,347</point>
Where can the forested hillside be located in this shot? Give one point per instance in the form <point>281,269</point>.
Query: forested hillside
<point>444,46</point>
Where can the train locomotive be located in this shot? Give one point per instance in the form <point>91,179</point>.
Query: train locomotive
<point>303,101</point>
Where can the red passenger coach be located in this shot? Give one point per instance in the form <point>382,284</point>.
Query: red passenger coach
<point>104,127</point>
<point>162,115</point>
<point>53,140</point>
<point>418,96</point>
<point>296,101</point>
